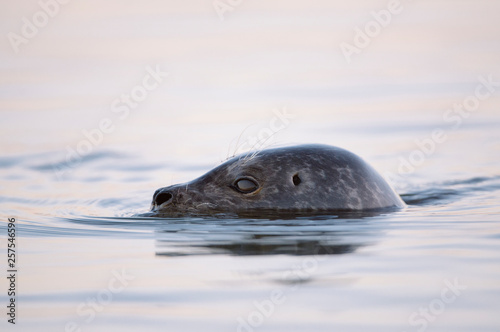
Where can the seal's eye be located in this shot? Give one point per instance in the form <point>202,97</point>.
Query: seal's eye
<point>245,185</point>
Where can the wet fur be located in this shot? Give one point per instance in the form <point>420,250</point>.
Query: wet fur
<point>332,179</point>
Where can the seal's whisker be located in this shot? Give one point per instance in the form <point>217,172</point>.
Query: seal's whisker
<point>237,145</point>
<point>259,149</point>
<point>209,205</point>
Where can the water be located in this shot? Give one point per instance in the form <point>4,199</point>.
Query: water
<point>87,261</point>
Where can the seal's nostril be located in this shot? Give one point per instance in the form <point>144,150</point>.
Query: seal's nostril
<point>162,198</point>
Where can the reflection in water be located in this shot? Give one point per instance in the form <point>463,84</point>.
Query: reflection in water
<point>256,244</point>
<point>262,237</point>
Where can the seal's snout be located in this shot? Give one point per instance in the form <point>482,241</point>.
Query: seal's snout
<point>161,198</point>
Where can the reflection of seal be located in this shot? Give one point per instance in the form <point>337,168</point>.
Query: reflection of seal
<point>310,179</point>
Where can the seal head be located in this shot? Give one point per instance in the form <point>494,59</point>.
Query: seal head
<point>304,179</point>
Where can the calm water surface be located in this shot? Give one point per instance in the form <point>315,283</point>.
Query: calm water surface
<point>87,261</point>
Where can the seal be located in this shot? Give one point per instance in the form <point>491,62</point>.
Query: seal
<point>305,179</point>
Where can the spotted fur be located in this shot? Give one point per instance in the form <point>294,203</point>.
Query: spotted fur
<point>331,179</point>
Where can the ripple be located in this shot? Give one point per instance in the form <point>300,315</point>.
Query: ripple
<point>450,191</point>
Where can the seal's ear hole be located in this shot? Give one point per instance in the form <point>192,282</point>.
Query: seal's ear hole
<point>296,179</point>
